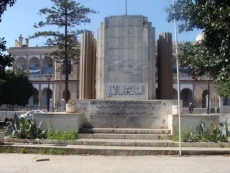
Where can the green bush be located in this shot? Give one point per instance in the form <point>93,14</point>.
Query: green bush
<point>202,133</point>
<point>58,135</point>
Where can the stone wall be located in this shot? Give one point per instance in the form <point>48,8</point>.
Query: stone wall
<point>191,121</point>
<point>60,121</point>
<point>126,114</point>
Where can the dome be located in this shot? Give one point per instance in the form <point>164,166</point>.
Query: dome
<point>200,37</point>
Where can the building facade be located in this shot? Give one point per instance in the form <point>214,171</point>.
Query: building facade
<point>37,62</point>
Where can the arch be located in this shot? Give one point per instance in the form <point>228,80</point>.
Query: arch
<point>175,95</point>
<point>46,95</point>
<point>204,97</point>
<point>34,65</point>
<point>35,96</point>
<point>34,99</point>
<point>226,101</point>
<point>186,97</point>
<point>47,65</point>
<point>20,63</point>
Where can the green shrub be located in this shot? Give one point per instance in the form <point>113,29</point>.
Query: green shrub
<point>202,133</point>
<point>189,136</point>
<point>58,135</point>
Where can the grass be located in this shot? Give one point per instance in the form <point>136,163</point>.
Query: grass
<point>58,135</point>
<point>23,150</point>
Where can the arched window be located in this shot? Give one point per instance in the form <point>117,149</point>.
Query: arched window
<point>226,101</point>
<point>175,95</point>
<point>35,97</point>
<point>204,98</point>
<point>186,96</point>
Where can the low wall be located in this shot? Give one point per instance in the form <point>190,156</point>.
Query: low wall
<point>60,120</point>
<point>2,137</point>
<point>9,114</point>
<point>191,121</point>
<point>199,110</point>
<point>126,114</point>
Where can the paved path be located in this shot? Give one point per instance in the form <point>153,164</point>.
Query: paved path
<point>26,163</point>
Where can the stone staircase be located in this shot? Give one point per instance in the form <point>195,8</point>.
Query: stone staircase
<point>128,141</point>
<point>117,141</point>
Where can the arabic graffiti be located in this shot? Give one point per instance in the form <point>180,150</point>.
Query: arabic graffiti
<point>109,108</point>
<point>116,90</point>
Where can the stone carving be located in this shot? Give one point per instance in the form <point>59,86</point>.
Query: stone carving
<point>126,91</point>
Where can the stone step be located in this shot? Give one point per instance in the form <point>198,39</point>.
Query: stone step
<point>126,142</point>
<point>109,150</point>
<point>125,131</point>
<point>117,142</point>
<point>123,136</point>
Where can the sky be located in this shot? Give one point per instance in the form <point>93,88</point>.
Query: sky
<point>20,18</point>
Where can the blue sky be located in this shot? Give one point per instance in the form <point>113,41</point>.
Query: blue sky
<point>20,18</point>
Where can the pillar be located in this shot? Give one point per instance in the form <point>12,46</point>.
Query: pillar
<point>87,66</point>
<point>165,75</point>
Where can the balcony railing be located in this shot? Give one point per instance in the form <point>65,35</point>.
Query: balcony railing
<point>185,76</point>
<point>39,77</point>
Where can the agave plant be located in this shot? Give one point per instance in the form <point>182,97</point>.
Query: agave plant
<point>35,131</point>
<point>23,128</point>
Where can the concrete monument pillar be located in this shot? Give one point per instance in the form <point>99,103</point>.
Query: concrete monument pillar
<point>87,66</point>
<point>126,59</point>
<point>165,76</point>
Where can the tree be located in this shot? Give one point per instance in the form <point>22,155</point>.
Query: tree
<point>3,6</point>
<point>5,60</point>
<point>66,15</point>
<point>17,89</point>
<point>212,17</point>
<point>223,88</point>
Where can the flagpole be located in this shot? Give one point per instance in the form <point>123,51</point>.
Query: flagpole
<point>178,82</point>
<point>126,8</point>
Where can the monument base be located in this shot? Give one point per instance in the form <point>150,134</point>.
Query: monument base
<point>60,121</point>
<point>151,114</point>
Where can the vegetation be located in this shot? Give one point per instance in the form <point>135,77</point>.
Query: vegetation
<point>212,55</point>
<point>3,6</point>
<point>24,129</point>
<point>203,134</point>
<point>28,129</point>
<point>223,88</point>
<point>66,15</point>
<point>22,150</point>
<point>5,60</point>
<point>16,88</point>
<point>58,135</point>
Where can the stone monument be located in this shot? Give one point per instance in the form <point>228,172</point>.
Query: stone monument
<point>126,59</point>
<point>125,77</point>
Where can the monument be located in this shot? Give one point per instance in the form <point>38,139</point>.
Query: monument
<point>125,76</point>
<point>125,59</point>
